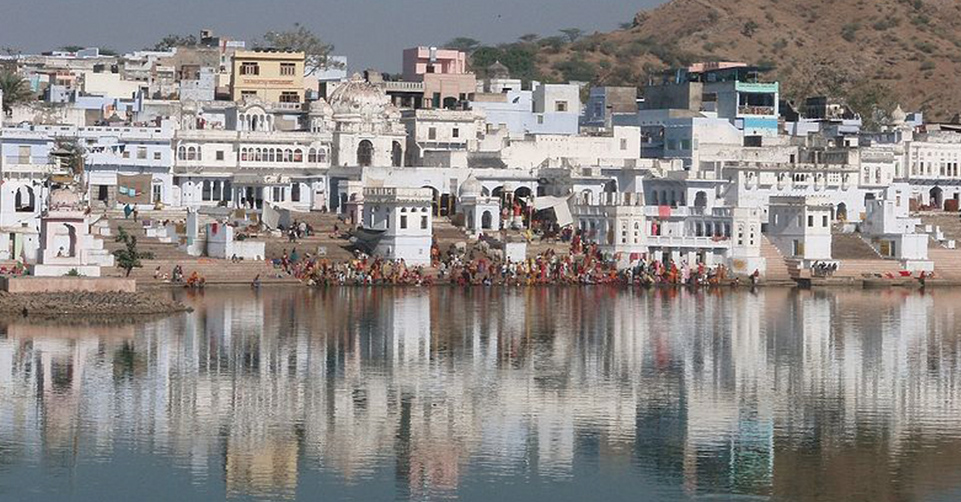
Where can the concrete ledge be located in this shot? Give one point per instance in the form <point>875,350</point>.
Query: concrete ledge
<point>67,284</point>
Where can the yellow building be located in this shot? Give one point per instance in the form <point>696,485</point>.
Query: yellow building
<point>272,76</point>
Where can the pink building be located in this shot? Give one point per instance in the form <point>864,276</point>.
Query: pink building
<point>419,61</point>
<point>444,74</point>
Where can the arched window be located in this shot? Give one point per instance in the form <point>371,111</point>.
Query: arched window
<point>298,155</point>
<point>243,154</point>
<point>182,153</point>
<point>365,153</point>
<point>396,154</point>
<point>288,155</point>
<point>312,155</point>
<point>191,153</point>
<point>321,155</point>
<point>258,155</point>
<point>271,155</point>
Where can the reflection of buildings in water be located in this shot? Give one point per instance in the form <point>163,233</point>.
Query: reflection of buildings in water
<point>695,385</point>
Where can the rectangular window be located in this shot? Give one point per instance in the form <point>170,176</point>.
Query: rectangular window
<point>455,133</point>
<point>432,133</point>
<point>156,155</point>
<point>540,119</point>
<point>157,192</point>
<point>289,97</point>
<point>810,221</point>
<point>403,221</point>
<point>423,222</point>
<point>623,144</point>
<point>220,155</point>
<point>560,106</point>
<point>295,192</point>
<point>206,191</point>
<point>288,69</point>
<point>141,152</point>
<point>249,69</point>
<point>248,94</point>
<point>824,221</point>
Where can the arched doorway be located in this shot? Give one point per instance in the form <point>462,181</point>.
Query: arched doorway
<point>841,212</point>
<point>937,198</point>
<point>365,153</point>
<point>486,220</point>
<point>700,200</point>
<point>396,154</point>
<point>450,103</point>
<point>435,200</point>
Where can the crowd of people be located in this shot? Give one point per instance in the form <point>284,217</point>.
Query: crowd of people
<point>583,263</point>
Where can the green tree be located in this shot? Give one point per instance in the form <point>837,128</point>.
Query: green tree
<point>465,44</point>
<point>129,258</point>
<point>15,90</point>
<point>529,38</point>
<point>572,34</point>
<point>172,40</point>
<point>71,48</point>
<point>317,52</point>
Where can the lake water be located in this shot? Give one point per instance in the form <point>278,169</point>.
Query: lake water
<point>492,394</point>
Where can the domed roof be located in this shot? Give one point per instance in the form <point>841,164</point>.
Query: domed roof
<point>470,188</point>
<point>321,107</point>
<point>898,117</point>
<point>358,96</point>
<point>64,198</point>
<point>498,70</point>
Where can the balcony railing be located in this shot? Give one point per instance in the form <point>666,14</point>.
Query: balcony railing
<point>755,110</point>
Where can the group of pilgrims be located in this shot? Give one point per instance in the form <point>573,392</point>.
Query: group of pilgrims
<point>583,263</point>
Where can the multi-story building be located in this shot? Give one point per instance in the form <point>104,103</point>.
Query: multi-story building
<point>272,76</point>
<point>443,72</point>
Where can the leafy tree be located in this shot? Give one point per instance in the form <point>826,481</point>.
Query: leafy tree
<point>317,52</point>
<point>129,258</point>
<point>576,70</point>
<point>572,34</point>
<point>170,41</point>
<point>465,44</point>
<point>554,43</point>
<point>15,89</point>
<point>749,28</point>
<point>529,38</point>
<point>72,48</point>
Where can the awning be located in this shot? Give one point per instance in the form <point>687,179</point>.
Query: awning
<point>562,211</point>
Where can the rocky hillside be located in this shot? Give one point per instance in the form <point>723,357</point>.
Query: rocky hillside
<point>875,53</point>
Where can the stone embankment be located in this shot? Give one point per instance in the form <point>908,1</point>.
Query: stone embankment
<point>86,304</point>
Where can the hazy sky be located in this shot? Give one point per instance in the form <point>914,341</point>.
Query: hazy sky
<point>371,33</point>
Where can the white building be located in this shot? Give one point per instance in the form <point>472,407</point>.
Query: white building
<point>892,233</point>
<point>800,227</point>
<point>398,222</point>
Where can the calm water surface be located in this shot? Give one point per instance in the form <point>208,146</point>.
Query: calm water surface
<point>535,394</point>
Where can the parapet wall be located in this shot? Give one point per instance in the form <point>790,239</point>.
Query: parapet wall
<point>67,284</point>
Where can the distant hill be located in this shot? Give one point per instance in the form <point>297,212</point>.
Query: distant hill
<point>874,53</point>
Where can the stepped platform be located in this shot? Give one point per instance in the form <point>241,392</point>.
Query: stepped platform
<point>215,272</point>
<point>778,269</point>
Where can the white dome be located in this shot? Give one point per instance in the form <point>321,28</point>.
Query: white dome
<point>321,107</point>
<point>359,97</point>
<point>898,117</point>
<point>470,188</point>
<point>64,198</point>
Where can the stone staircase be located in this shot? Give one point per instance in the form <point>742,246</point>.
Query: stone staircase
<point>778,268</point>
<point>216,272</point>
<point>850,246</point>
<point>323,224</point>
<point>947,262</point>
<point>859,269</point>
<point>950,223</point>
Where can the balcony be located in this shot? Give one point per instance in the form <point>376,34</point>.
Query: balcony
<point>391,86</point>
<point>755,110</point>
<point>682,241</point>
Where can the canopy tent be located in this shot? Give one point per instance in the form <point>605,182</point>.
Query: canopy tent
<point>562,210</point>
